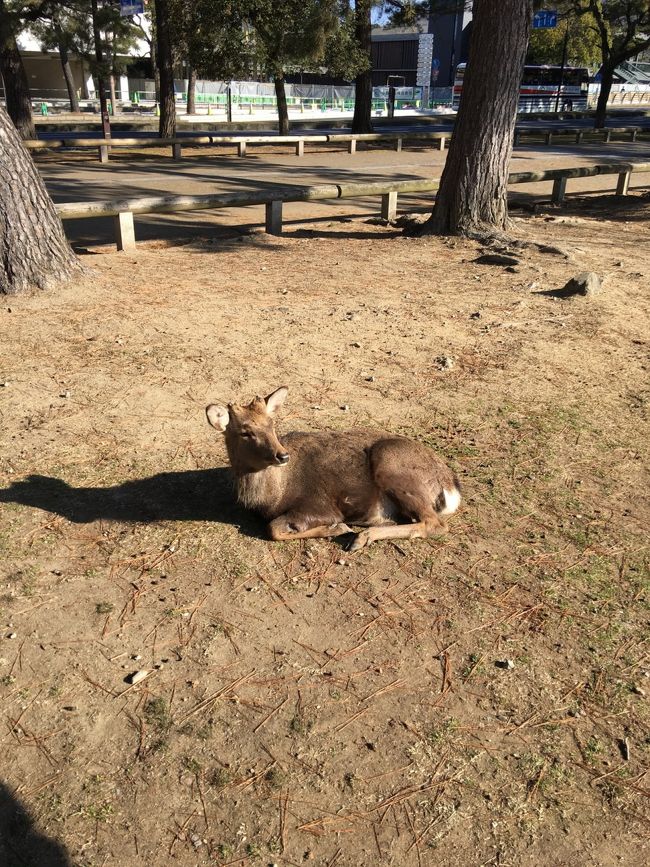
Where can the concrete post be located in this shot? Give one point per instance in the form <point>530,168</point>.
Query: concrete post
<point>103,153</point>
<point>241,149</point>
<point>300,147</point>
<point>389,206</point>
<point>352,146</point>
<point>578,137</point>
<point>608,135</point>
<point>559,190</point>
<point>124,231</point>
<point>549,138</point>
<point>441,143</point>
<point>633,135</point>
<point>623,184</point>
<point>274,218</point>
<point>398,145</point>
<point>177,150</point>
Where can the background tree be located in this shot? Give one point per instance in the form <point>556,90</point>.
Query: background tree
<point>623,30</point>
<point>33,248</point>
<point>473,188</point>
<point>546,45</point>
<point>165,62</point>
<point>361,120</point>
<point>15,15</point>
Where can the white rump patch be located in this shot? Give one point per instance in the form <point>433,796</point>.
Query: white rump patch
<point>452,501</point>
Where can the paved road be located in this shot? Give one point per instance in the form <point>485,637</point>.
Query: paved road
<point>77,176</point>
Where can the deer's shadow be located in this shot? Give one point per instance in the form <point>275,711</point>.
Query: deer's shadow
<point>21,843</point>
<point>192,495</point>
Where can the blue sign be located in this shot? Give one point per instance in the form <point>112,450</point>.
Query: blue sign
<point>544,19</point>
<point>131,7</point>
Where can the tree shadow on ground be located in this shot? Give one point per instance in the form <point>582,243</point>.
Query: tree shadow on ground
<point>191,495</point>
<point>20,842</point>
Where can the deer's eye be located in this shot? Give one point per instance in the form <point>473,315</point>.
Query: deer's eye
<point>247,434</point>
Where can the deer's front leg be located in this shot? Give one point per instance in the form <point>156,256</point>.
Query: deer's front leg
<point>294,525</point>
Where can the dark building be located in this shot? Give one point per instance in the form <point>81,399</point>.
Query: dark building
<point>424,55</point>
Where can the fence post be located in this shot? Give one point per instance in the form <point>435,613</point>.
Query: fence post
<point>549,138</point>
<point>623,184</point>
<point>398,145</point>
<point>578,137</point>
<point>274,218</point>
<point>103,153</point>
<point>559,190</point>
<point>608,135</point>
<point>177,150</point>
<point>389,205</point>
<point>633,135</point>
<point>441,143</point>
<point>300,146</point>
<point>241,149</point>
<point>124,231</point>
<point>352,146</point>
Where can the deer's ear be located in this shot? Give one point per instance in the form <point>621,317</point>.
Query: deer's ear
<point>218,417</point>
<point>275,400</point>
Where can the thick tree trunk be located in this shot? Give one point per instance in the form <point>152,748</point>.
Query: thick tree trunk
<point>33,248</point>
<point>164,57</point>
<point>473,188</point>
<point>283,111</point>
<point>19,105</point>
<point>100,71</point>
<point>361,121</point>
<point>191,90</point>
<point>69,77</point>
<point>606,81</point>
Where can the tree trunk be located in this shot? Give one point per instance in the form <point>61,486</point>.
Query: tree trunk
<point>100,71</point>
<point>69,77</point>
<point>19,105</point>
<point>111,84</point>
<point>361,121</point>
<point>33,248</point>
<point>191,90</point>
<point>606,81</point>
<point>154,66</point>
<point>283,111</point>
<point>167,125</point>
<point>473,188</point>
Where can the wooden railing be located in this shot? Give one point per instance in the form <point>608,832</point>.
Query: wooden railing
<point>122,210</point>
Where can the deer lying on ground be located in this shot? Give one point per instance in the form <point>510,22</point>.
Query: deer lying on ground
<point>310,484</point>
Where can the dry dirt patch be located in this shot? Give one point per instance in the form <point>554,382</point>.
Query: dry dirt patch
<point>476,699</point>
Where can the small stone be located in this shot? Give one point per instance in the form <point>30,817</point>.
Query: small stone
<point>586,283</point>
<point>136,657</point>
<point>476,315</point>
<point>12,635</point>
<point>345,407</point>
<point>445,362</point>
<point>370,378</point>
<point>496,259</point>
<point>70,708</point>
<point>342,562</point>
<point>356,344</point>
<point>137,676</point>
<point>637,690</point>
<point>506,664</point>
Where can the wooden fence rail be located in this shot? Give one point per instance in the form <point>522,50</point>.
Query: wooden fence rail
<point>122,210</point>
<point>440,139</point>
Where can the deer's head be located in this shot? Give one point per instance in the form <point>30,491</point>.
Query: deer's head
<point>251,439</point>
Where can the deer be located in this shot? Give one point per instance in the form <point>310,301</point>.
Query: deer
<point>315,484</point>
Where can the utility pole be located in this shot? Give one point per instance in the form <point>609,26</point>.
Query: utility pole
<point>101,84</point>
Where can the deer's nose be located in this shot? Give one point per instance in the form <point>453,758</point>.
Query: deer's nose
<point>282,458</point>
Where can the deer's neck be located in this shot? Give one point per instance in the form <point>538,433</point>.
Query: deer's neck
<point>262,490</point>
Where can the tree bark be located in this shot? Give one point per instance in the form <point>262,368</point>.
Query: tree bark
<point>473,189</point>
<point>68,76</point>
<point>361,120</point>
<point>100,71</point>
<point>165,60</point>
<point>283,111</point>
<point>33,248</point>
<point>191,90</point>
<point>606,81</point>
<point>19,105</point>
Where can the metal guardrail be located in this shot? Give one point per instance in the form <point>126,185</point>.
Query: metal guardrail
<point>122,210</point>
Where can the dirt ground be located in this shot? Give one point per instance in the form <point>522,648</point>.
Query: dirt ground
<point>469,700</point>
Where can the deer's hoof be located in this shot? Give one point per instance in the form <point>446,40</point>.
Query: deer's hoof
<point>360,541</point>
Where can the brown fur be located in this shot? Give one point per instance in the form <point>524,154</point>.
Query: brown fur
<point>368,478</point>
